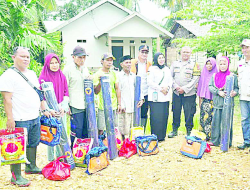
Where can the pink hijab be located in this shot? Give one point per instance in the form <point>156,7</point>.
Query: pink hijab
<point>203,89</point>
<point>220,77</point>
<point>57,78</point>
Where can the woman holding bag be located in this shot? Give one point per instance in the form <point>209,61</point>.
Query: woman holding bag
<point>159,81</point>
<point>51,72</point>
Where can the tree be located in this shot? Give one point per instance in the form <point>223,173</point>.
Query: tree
<point>20,26</point>
<point>229,20</point>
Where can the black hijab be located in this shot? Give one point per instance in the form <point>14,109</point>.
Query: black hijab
<point>156,60</point>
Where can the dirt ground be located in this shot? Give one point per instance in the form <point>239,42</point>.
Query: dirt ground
<point>166,170</point>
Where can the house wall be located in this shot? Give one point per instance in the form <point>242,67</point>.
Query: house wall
<point>86,27</point>
<point>137,43</point>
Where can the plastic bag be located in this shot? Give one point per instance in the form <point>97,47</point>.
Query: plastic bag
<point>208,148</point>
<point>80,148</point>
<point>51,130</point>
<point>198,134</point>
<point>13,146</point>
<point>128,148</point>
<point>56,170</point>
<point>136,132</point>
<point>118,138</point>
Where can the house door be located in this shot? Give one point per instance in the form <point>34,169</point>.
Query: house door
<point>117,52</point>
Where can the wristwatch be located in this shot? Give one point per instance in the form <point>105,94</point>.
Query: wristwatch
<point>44,111</point>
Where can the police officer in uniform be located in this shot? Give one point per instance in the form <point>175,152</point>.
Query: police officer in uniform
<point>185,77</point>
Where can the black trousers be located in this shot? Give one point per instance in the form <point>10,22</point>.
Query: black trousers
<point>144,108</point>
<point>189,105</point>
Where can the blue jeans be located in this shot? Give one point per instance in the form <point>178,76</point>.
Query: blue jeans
<point>33,129</point>
<point>245,120</point>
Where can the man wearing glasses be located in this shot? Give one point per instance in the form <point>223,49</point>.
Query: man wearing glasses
<point>140,68</point>
<point>75,74</point>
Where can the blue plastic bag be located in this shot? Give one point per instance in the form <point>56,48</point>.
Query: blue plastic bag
<point>51,130</point>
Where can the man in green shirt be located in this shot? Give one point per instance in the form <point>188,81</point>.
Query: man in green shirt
<point>75,74</point>
<point>107,63</point>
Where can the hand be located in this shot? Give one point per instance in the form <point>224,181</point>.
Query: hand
<point>140,103</point>
<point>90,77</point>
<point>119,108</point>
<point>123,110</point>
<point>53,113</point>
<point>177,88</point>
<point>233,93</point>
<point>196,86</point>
<point>222,94</point>
<point>47,114</point>
<point>62,112</point>
<point>181,91</point>
<point>69,112</point>
<point>10,125</point>
<point>164,90</point>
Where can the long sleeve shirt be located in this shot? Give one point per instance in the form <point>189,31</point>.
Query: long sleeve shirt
<point>158,78</point>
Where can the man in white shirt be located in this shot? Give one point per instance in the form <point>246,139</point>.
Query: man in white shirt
<point>22,104</point>
<point>244,92</point>
<point>127,87</point>
<point>140,67</point>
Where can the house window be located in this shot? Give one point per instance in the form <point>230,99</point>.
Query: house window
<point>132,51</point>
<point>81,41</point>
<point>132,41</point>
<point>143,41</point>
<point>117,41</point>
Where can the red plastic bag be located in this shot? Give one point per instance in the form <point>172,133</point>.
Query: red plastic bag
<point>56,170</point>
<point>128,148</point>
<point>208,148</point>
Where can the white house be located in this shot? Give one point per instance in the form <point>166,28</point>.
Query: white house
<point>108,27</point>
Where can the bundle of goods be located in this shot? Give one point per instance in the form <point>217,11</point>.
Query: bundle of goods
<point>13,146</point>
<point>56,170</point>
<point>128,148</point>
<point>147,145</point>
<point>96,159</point>
<point>193,147</point>
<point>50,131</point>
<point>80,148</point>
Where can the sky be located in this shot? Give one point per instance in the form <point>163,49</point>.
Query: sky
<point>148,9</point>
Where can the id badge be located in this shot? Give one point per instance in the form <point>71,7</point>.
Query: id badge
<point>155,96</point>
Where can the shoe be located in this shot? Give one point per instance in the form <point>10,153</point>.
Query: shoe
<point>243,146</point>
<point>16,178</point>
<point>172,134</point>
<point>32,168</point>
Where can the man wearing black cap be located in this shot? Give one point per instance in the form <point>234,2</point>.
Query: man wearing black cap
<point>127,81</point>
<point>75,74</point>
<point>140,67</point>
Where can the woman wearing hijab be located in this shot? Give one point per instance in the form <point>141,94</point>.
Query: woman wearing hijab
<point>205,96</point>
<point>217,88</point>
<point>51,72</point>
<point>159,81</point>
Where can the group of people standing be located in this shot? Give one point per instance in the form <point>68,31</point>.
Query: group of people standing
<point>22,102</point>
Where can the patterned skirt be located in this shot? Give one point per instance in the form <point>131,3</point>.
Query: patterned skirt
<point>206,116</point>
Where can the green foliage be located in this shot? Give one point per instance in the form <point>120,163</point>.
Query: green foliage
<point>229,20</point>
<point>154,45</point>
<point>20,26</point>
